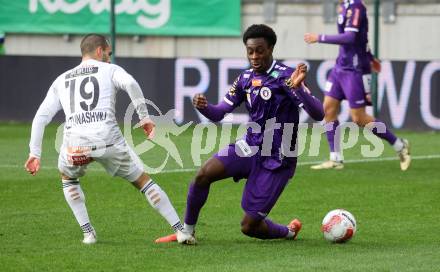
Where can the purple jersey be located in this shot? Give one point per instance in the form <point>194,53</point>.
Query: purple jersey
<point>353,17</point>
<point>267,96</point>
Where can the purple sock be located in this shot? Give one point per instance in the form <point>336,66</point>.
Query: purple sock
<point>276,230</point>
<point>387,135</point>
<point>330,129</point>
<point>197,196</point>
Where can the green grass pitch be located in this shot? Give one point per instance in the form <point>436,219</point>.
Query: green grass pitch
<point>397,214</point>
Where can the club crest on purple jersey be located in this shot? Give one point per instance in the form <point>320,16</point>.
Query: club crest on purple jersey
<point>265,93</point>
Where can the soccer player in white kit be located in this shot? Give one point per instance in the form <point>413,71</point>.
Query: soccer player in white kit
<point>87,95</point>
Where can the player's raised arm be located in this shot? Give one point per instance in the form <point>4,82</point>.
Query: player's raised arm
<point>298,90</point>
<point>352,19</point>
<point>217,112</point>
<point>214,113</point>
<point>124,81</point>
<point>343,38</point>
<point>47,110</point>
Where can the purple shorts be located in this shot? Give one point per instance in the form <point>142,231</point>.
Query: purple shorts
<point>346,84</point>
<point>263,186</point>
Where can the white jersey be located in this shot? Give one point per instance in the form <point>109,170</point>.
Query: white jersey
<point>87,95</point>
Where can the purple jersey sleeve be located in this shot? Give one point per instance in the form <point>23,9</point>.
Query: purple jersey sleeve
<point>216,113</point>
<point>235,95</point>
<point>310,104</point>
<point>303,98</point>
<point>231,100</point>
<point>343,38</point>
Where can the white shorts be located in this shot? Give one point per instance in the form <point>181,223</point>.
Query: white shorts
<point>118,160</point>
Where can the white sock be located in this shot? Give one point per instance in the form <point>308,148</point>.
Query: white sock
<point>336,156</point>
<point>77,202</point>
<point>290,234</point>
<point>159,200</point>
<point>398,145</point>
<point>188,228</point>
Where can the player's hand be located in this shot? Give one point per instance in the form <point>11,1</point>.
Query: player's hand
<point>375,65</point>
<point>32,165</point>
<point>200,101</point>
<point>368,98</point>
<point>311,38</point>
<point>149,127</point>
<point>298,76</point>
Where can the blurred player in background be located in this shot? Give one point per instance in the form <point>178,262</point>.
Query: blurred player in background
<point>346,82</point>
<point>269,90</point>
<point>87,96</point>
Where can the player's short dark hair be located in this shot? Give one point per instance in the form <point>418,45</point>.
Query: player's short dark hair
<point>92,41</point>
<point>260,31</point>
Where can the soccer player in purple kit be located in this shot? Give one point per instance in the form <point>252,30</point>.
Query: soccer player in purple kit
<point>270,91</point>
<point>345,82</point>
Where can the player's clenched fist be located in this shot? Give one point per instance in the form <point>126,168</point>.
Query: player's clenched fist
<point>200,101</point>
<point>298,76</point>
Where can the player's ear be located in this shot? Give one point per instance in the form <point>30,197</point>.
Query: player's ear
<point>99,51</point>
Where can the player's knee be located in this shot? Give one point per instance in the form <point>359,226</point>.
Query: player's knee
<point>202,178</point>
<point>330,114</point>
<point>329,119</point>
<point>358,120</point>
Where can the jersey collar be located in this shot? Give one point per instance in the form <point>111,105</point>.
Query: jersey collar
<point>268,70</point>
<point>271,67</point>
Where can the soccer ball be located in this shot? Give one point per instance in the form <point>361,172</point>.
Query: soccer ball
<point>338,226</point>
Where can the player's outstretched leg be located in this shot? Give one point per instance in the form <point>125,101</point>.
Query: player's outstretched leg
<point>266,229</point>
<point>198,192</point>
<point>159,200</point>
<point>77,203</point>
<point>197,196</point>
<point>380,129</point>
<point>400,145</point>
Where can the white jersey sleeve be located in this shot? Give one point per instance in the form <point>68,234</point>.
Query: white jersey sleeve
<point>47,110</point>
<point>124,81</point>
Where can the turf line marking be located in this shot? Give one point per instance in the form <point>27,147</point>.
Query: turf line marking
<point>182,170</point>
<point>422,157</point>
